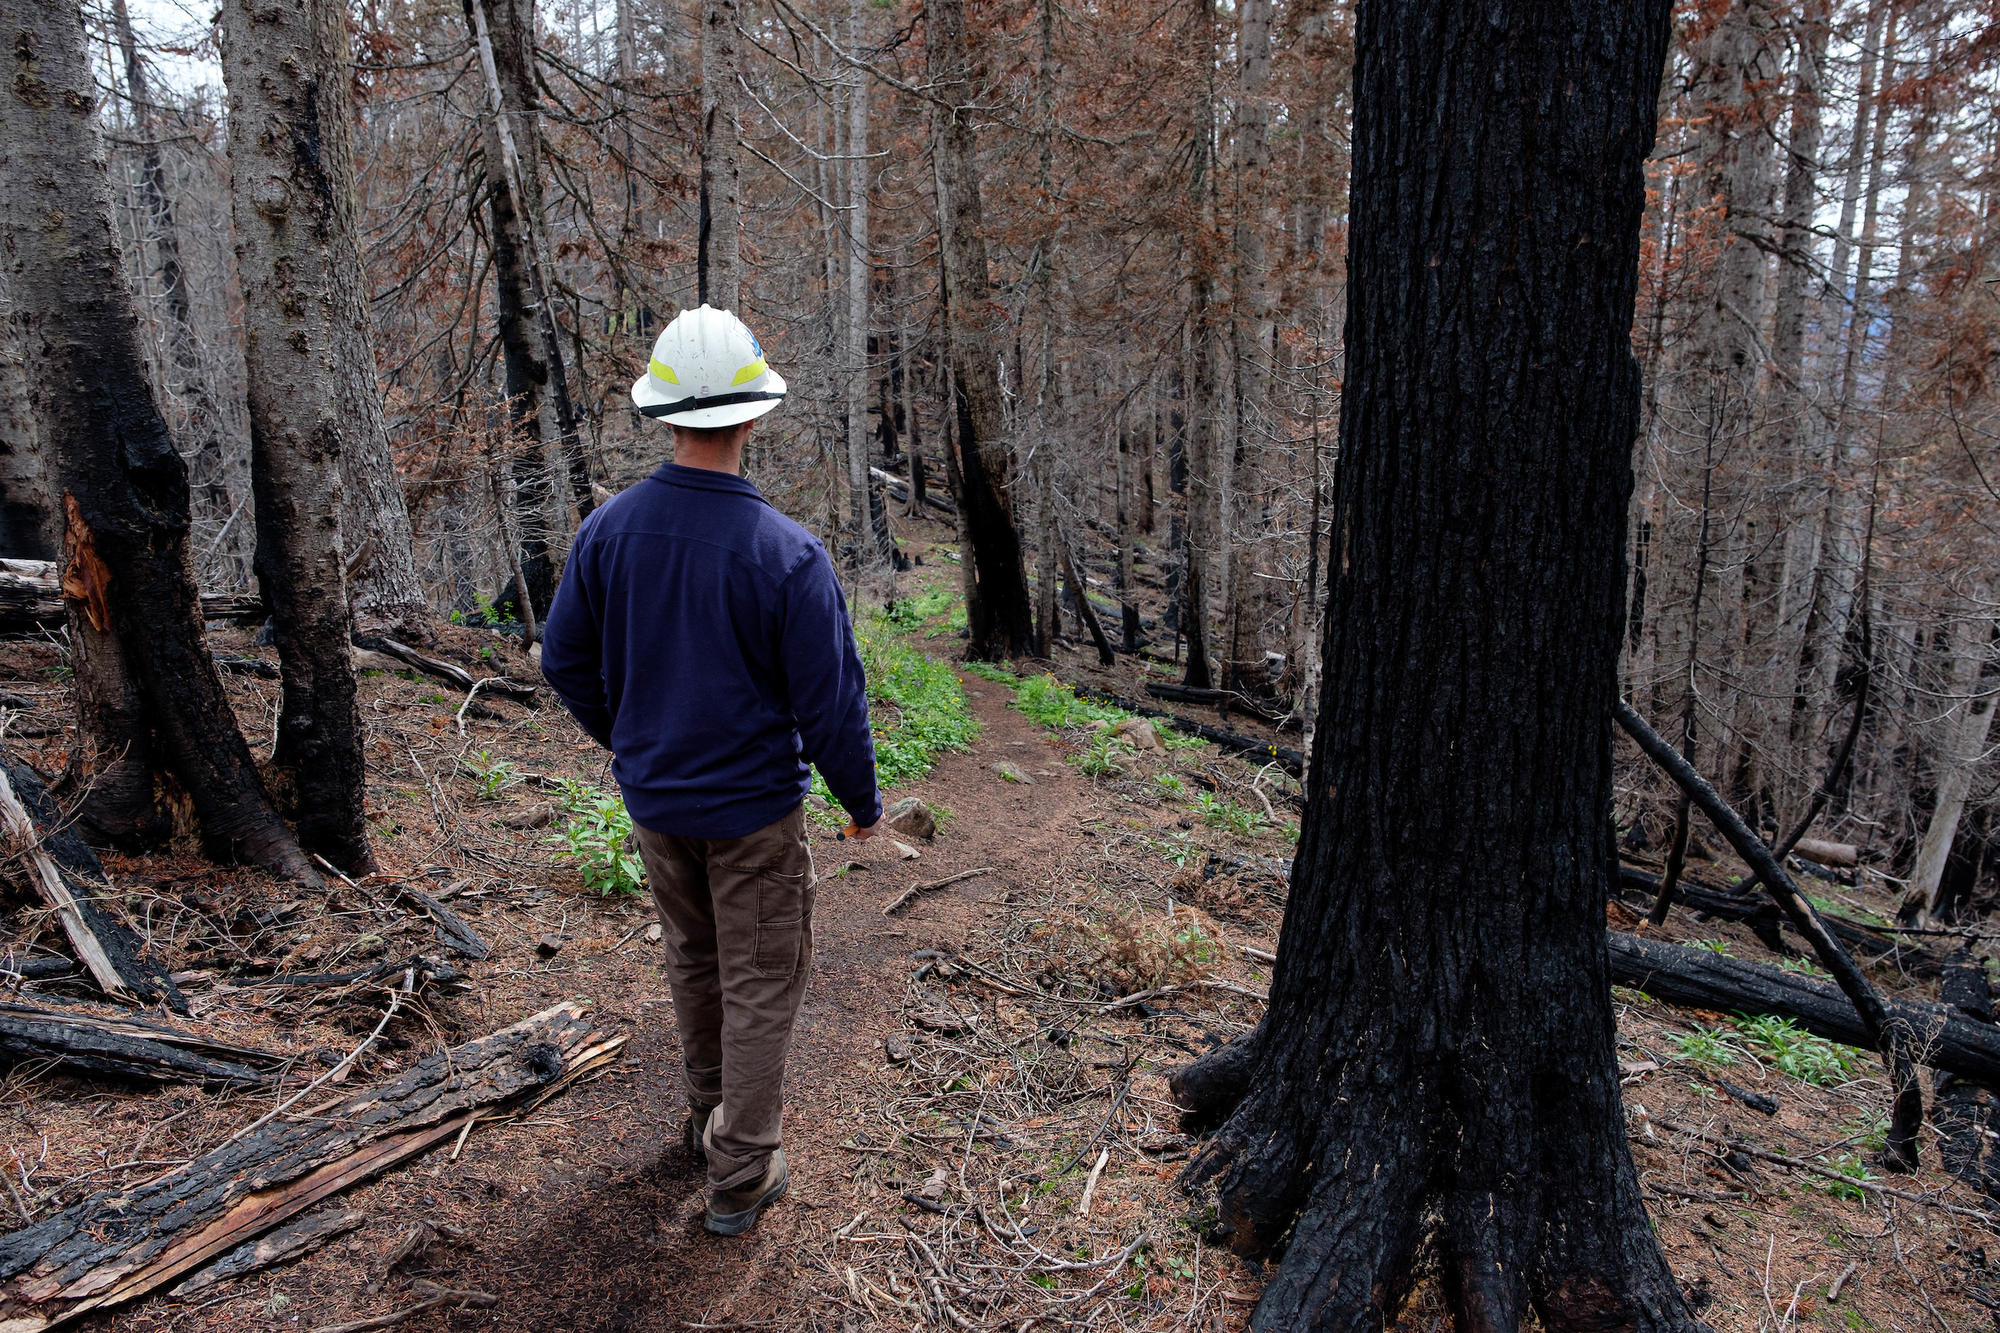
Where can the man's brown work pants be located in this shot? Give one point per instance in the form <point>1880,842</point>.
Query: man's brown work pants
<point>736,918</point>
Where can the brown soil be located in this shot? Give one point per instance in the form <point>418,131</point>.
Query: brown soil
<point>959,1071</point>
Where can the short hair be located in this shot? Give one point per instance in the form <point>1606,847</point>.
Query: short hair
<point>711,434</point>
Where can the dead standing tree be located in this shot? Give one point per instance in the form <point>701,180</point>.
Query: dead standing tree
<point>148,694</point>
<point>1438,1055</point>
<point>291,165</point>
<point>539,405</point>
<point>997,608</point>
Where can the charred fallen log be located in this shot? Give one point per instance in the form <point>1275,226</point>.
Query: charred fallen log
<point>1227,702</point>
<point>1941,1036</point>
<point>122,1243</point>
<point>31,601</point>
<point>1231,742</point>
<point>128,1049</point>
<point>1763,919</point>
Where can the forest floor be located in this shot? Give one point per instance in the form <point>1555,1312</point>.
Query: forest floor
<point>978,1123</point>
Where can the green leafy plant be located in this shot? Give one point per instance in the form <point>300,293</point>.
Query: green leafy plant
<point>1106,755</point>
<point>1179,848</point>
<point>1705,1046</point>
<point>1804,967</point>
<point>918,612</point>
<point>1054,704</point>
<point>1172,782</point>
<point>988,671</point>
<point>594,838</point>
<point>1218,812</point>
<point>1850,1174</point>
<point>1870,1131</point>
<point>494,774</point>
<point>926,712</point>
<point>1713,946</point>
<point>1792,1050</point>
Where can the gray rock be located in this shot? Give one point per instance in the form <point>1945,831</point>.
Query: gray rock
<point>1010,773</point>
<point>911,818</point>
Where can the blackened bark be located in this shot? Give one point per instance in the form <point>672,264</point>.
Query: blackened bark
<point>1964,1106</point>
<point>1438,1057</point>
<point>718,266</point>
<point>999,615</point>
<point>292,189</point>
<point>149,695</point>
<point>546,443</point>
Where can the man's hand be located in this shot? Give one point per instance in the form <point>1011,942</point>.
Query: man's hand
<point>856,833</point>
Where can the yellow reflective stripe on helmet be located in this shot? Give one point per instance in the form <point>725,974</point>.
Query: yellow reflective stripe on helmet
<point>661,370</point>
<point>749,372</point>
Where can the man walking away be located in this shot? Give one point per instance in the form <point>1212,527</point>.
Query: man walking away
<point>701,636</point>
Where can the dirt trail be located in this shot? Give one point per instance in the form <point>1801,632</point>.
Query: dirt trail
<point>594,1223</point>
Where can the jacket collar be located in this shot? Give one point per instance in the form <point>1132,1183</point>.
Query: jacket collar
<point>703,479</point>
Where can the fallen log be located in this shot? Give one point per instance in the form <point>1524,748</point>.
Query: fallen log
<point>449,672</point>
<point>1227,701</point>
<point>1885,1034</point>
<point>1962,1113</point>
<point>31,601</point>
<point>1942,1037</point>
<point>120,1244</point>
<point>66,874</point>
<point>1767,923</point>
<point>1231,742</point>
<point>901,490</point>
<point>126,1048</point>
<point>452,931</point>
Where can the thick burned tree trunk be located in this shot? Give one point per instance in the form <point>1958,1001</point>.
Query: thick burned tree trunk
<point>149,696</point>
<point>998,613</point>
<point>1438,1057</point>
<point>291,169</point>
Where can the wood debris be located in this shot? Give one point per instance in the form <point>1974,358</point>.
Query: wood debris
<point>120,1244</point>
<point>121,1047</point>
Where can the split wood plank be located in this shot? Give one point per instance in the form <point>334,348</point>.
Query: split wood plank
<point>295,1241</point>
<point>121,1244</point>
<point>66,873</point>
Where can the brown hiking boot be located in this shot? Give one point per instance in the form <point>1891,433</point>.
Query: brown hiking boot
<point>733,1212</point>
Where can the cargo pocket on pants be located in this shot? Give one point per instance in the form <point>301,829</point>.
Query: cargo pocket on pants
<point>781,912</point>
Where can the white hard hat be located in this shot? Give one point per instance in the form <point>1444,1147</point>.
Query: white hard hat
<point>707,369</point>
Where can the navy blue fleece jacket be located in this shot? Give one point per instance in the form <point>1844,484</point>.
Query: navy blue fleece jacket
<point>701,636</point>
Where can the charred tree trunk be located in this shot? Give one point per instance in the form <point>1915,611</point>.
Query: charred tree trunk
<point>1438,1055</point>
<point>200,421</point>
<point>149,696</point>
<point>30,522</point>
<point>998,613</point>
<point>292,188</point>
<point>546,446</point>
<point>718,267</point>
<point>1203,445</point>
